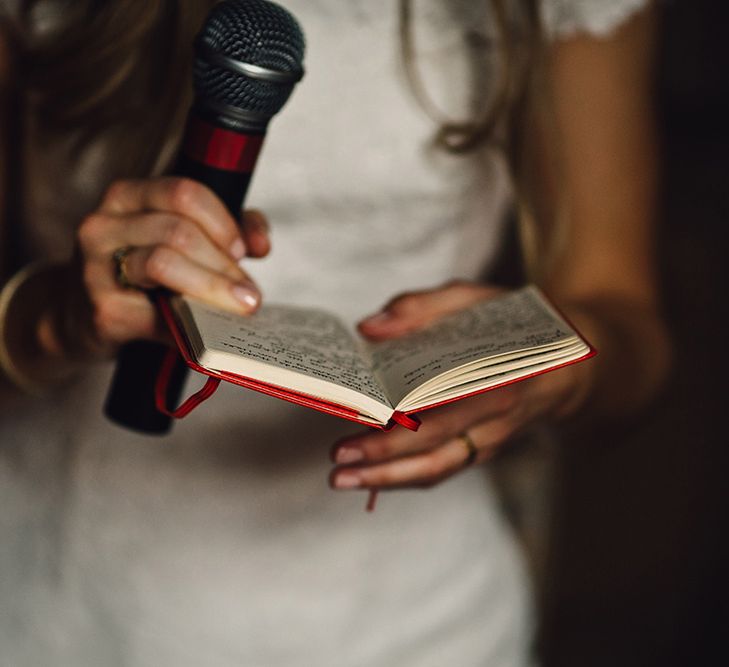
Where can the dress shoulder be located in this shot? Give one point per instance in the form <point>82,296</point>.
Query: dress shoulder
<point>564,18</point>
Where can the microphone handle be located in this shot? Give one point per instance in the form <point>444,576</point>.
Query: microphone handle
<point>130,401</point>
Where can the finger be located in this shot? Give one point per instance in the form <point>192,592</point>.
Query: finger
<point>178,232</point>
<point>415,310</point>
<point>489,436</point>
<point>256,233</point>
<point>178,195</point>
<point>120,315</point>
<point>422,469</point>
<point>439,426</point>
<point>153,266</point>
<point>123,315</point>
<point>429,467</point>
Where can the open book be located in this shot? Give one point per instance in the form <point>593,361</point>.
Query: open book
<point>310,357</point>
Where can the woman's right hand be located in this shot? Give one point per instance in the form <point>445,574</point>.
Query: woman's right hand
<point>180,236</point>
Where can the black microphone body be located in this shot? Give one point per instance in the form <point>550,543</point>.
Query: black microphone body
<point>131,401</point>
<point>247,60</point>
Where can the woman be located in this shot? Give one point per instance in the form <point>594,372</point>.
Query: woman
<point>221,544</point>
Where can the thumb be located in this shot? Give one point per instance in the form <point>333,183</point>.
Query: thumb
<point>415,310</point>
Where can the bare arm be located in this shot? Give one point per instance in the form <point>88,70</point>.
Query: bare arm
<point>604,279</point>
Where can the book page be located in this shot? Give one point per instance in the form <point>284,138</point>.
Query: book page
<point>490,376</point>
<point>307,341</point>
<point>520,320</point>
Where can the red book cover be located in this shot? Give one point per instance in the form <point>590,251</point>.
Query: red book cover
<point>407,419</point>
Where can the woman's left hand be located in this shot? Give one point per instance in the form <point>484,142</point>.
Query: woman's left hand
<point>453,436</point>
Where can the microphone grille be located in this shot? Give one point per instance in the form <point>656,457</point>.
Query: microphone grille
<point>251,32</point>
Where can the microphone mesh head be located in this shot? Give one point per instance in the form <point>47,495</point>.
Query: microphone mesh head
<point>254,32</point>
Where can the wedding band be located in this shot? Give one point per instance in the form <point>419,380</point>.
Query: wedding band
<point>120,267</point>
<point>470,446</point>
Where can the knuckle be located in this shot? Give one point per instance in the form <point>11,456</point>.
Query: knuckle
<point>115,191</point>
<point>464,291</point>
<point>217,284</point>
<point>183,192</point>
<point>181,234</point>
<point>406,304</point>
<point>91,231</point>
<point>467,291</point>
<point>157,264</point>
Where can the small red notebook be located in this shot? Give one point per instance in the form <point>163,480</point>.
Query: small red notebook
<point>309,357</point>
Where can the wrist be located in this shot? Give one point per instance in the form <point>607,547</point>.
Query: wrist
<point>32,355</point>
<point>17,335</point>
<point>633,359</point>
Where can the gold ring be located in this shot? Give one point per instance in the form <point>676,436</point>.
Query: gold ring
<point>471,446</point>
<point>120,267</point>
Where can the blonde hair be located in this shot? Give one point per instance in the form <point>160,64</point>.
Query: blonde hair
<point>103,62</point>
<point>517,104</point>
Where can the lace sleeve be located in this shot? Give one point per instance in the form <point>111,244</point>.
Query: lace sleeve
<point>563,18</point>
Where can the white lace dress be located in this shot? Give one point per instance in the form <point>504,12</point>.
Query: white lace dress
<point>222,544</point>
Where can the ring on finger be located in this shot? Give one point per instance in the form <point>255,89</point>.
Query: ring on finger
<point>472,450</point>
<point>120,267</point>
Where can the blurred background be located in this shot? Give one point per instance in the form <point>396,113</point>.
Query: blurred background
<point>636,571</point>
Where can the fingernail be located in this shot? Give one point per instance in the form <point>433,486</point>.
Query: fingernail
<point>238,249</point>
<point>246,295</point>
<point>347,480</point>
<point>348,455</point>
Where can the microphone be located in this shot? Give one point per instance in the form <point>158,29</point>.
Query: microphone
<point>248,57</point>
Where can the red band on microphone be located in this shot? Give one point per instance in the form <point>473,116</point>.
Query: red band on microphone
<point>221,149</point>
